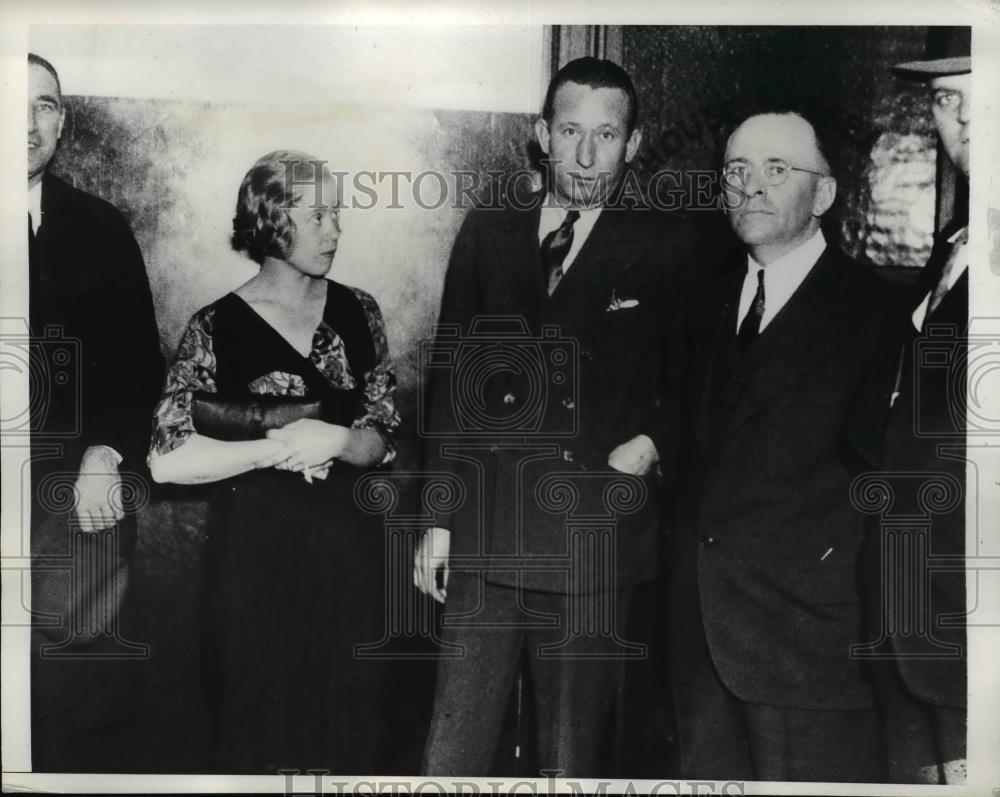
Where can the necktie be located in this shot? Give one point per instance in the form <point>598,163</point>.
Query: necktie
<point>555,246</point>
<point>941,289</point>
<point>750,327</point>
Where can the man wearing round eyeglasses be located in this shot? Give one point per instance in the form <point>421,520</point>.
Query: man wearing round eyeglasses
<point>765,602</point>
<point>776,203</point>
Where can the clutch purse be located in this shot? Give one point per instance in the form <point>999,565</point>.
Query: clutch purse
<point>249,418</point>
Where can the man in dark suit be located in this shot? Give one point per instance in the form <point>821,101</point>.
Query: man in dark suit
<point>764,596</point>
<point>89,295</point>
<point>556,315</point>
<point>919,638</point>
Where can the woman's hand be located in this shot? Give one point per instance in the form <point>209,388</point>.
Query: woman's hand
<point>275,453</point>
<point>309,443</point>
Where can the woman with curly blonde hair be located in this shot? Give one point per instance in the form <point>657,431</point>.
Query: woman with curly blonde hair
<point>281,393</point>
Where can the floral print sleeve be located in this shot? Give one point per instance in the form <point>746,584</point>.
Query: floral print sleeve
<point>379,383</point>
<point>192,369</point>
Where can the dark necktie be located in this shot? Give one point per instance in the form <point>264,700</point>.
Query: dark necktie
<point>555,247</point>
<point>750,327</point>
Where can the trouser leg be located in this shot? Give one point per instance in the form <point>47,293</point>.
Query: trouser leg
<point>711,729</point>
<point>950,734</point>
<point>577,672</point>
<point>474,687</point>
<point>795,744</point>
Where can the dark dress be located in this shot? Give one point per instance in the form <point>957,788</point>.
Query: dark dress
<point>294,571</point>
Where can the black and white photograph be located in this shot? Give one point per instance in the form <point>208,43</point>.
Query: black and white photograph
<point>502,398</point>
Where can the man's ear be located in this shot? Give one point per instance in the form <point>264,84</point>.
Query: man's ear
<point>826,192</point>
<point>632,146</point>
<point>62,121</point>
<point>542,134</point>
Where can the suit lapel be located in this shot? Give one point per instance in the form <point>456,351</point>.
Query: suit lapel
<point>712,355</point>
<point>519,272</point>
<point>55,278</point>
<point>586,289</point>
<point>796,339</point>
<point>53,200</point>
<point>954,307</point>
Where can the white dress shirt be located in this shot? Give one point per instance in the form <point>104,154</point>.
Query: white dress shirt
<point>35,205</point>
<point>781,278</point>
<point>553,216</point>
<point>961,255</point>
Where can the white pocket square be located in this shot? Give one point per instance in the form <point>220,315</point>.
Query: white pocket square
<point>621,304</point>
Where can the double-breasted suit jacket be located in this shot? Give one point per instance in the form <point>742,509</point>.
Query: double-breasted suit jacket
<point>765,539</point>
<point>583,375</point>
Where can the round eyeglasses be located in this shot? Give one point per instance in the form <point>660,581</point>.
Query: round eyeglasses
<point>775,172</point>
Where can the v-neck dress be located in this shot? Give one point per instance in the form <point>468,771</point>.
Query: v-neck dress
<point>293,573</point>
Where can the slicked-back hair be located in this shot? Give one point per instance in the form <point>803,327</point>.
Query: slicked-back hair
<point>826,152</point>
<point>598,73</point>
<point>262,227</point>
<point>37,60</point>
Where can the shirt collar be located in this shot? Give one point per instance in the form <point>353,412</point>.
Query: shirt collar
<point>960,234</point>
<point>554,210</point>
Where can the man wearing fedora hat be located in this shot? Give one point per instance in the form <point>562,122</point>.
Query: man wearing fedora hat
<point>920,665</point>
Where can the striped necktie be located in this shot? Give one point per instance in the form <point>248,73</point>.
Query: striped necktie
<point>555,246</point>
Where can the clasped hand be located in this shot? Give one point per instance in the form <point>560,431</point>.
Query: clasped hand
<point>307,446</point>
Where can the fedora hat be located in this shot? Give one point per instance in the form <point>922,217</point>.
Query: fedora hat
<point>948,53</point>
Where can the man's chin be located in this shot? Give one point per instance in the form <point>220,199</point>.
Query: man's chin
<point>583,195</point>
<point>752,229</point>
<point>35,170</point>
<point>589,199</point>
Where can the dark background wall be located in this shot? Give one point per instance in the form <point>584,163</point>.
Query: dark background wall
<point>174,167</point>
<point>696,84</point>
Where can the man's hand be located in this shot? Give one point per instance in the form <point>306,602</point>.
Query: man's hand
<point>636,456</point>
<point>431,556</point>
<point>98,490</point>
